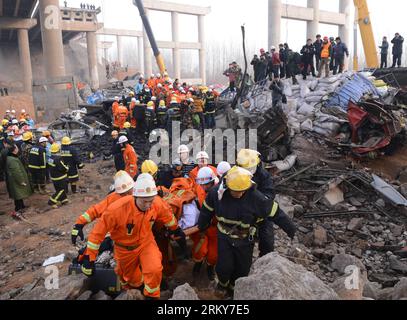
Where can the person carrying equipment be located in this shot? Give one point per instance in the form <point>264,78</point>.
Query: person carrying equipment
<point>123,186</point>
<point>129,222</point>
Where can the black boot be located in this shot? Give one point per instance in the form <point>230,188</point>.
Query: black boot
<point>73,188</point>
<point>211,272</point>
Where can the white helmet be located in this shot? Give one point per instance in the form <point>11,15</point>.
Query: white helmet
<point>145,188</point>
<point>134,100</point>
<point>13,111</point>
<point>222,168</point>
<point>153,98</point>
<point>272,48</point>
<point>205,176</point>
<point>8,111</point>
<point>116,98</point>
<point>23,111</point>
<point>158,75</point>
<point>145,176</point>
<point>137,101</point>
<point>43,139</point>
<point>159,85</point>
<point>14,121</point>
<point>183,149</point>
<point>152,75</point>
<point>202,155</point>
<point>123,139</point>
<point>141,76</point>
<point>123,182</point>
<point>191,89</point>
<point>171,86</point>
<point>147,89</point>
<point>191,100</point>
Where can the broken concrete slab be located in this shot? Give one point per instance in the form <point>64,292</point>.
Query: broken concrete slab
<point>400,290</point>
<point>131,295</point>
<point>274,277</point>
<point>184,292</point>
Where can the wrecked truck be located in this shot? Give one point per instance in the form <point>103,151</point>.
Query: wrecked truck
<point>78,126</point>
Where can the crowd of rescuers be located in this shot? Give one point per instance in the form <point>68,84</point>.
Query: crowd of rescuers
<point>157,102</point>
<point>223,210</point>
<point>28,163</point>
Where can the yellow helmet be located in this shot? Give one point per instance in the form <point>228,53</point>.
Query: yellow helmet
<point>149,167</point>
<point>66,141</point>
<point>55,148</point>
<point>4,122</point>
<point>162,103</point>
<point>150,104</point>
<point>127,125</point>
<point>248,159</point>
<point>1,128</point>
<point>131,94</point>
<point>27,136</point>
<point>239,179</point>
<point>46,133</point>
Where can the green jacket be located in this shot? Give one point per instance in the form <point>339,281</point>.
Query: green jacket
<point>15,177</point>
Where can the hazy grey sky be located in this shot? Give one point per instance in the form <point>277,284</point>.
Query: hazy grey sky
<point>223,24</point>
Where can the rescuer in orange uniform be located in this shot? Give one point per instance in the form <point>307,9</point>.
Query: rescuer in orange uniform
<point>123,185</point>
<point>129,221</point>
<point>133,121</point>
<point>115,112</point>
<point>122,114</point>
<point>129,156</point>
<point>202,160</point>
<point>206,243</point>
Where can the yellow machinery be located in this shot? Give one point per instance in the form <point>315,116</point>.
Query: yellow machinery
<point>150,35</point>
<point>366,31</point>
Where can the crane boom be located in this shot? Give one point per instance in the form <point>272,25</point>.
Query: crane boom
<point>146,23</point>
<point>366,31</point>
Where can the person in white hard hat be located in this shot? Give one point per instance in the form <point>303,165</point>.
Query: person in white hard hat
<point>188,164</point>
<point>129,156</point>
<point>223,168</point>
<point>202,160</point>
<point>129,222</point>
<point>123,186</point>
<point>205,245</point>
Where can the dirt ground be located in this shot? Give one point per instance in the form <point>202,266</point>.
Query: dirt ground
<point>25,246</point>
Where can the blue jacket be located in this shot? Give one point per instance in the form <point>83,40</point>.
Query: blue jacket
<point>339,50</point>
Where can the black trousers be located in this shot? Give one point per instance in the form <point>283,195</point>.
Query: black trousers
<point>232,86</point>
<point>397,59</point>
<point>307,65</point>
<point>61,189</point>
<point>235,260</point>
<point>19,205</point>
<point>318,60</point>
<point>266,237</point>
<point>339,63</point>
<point>383,63</point>
<point>38,177</point>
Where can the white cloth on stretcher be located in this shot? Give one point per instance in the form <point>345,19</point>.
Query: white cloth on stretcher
<point>190,216</point>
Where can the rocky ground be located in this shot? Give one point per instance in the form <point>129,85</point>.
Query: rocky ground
<point>324,247</point>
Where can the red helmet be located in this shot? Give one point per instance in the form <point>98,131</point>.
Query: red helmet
<point>326,38</point>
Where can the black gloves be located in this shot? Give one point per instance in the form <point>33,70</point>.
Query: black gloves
<point>178,233</point>
<point>77,231</point>
<point>106,245</point>
<point>88,267</point>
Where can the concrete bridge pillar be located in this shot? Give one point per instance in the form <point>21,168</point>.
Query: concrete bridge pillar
<point>25,59</point>
<point>274,23</point>
<point>313,26</point>
<point>53,50</point>
<point>92,60</point>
